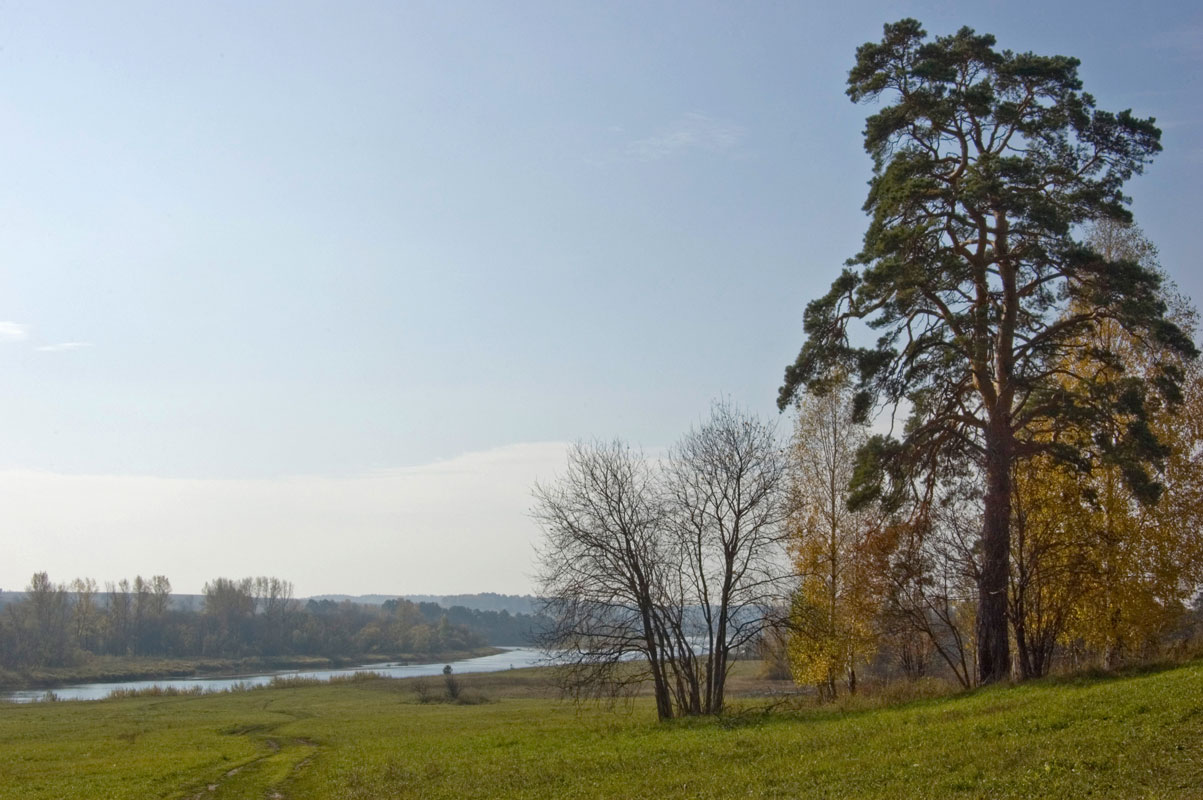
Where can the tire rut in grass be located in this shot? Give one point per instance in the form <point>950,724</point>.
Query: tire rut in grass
<point>276,792</point>
<point>266,774</point>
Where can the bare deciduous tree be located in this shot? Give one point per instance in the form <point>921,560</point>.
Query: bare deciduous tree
<point>933,577</point>
<point>660,575</point>
<point>601,573</point>
<point>50,618</point>
<point>273,599</point>
<point>725,487</point>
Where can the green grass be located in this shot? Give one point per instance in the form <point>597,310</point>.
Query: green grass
<point>1135,735</point>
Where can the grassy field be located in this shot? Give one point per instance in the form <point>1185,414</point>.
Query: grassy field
<point>1128,736</point>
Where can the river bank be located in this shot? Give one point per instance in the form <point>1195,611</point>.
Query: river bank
<point>116,669</point>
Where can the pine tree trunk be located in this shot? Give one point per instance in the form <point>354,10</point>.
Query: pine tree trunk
<point>993,645</point>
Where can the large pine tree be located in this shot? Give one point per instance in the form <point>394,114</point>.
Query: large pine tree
<point>986,165</point>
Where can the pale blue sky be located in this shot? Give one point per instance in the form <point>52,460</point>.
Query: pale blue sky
<point>335,240</point>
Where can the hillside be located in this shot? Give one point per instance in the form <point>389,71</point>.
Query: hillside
<point>1127,736</point>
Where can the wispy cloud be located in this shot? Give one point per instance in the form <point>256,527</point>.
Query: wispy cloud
<point>13,332</point>
<point>62,347</point>
<point>691,133</point>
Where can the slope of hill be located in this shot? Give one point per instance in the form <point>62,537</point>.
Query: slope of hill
<point>1138,735</point>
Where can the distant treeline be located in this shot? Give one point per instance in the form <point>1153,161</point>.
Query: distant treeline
<point>483,601</point>
<point>67,624</point>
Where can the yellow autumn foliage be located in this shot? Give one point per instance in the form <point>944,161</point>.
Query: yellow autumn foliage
<point>834,551</point>
<point>1093,569</point>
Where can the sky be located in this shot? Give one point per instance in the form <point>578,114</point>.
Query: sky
<point>320,290</point>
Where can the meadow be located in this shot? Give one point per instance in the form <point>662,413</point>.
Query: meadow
<point>1133,735</point>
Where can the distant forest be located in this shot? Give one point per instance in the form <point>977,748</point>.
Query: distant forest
<point>51,625</point>
<point>483,601</point>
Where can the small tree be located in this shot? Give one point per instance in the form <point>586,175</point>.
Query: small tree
<point>661,575</point>
<point>836,552</point>
<point>725,488</point>
<point>602,575</point>
<point>450,683</point>
<point>228,606</point>
<point>273,600</point>
<point>119,617</point>
<point>85,613</point>
<point>50,619</point>
<point>932,579</point>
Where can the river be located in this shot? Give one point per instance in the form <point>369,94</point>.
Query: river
<point>509,658</point>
